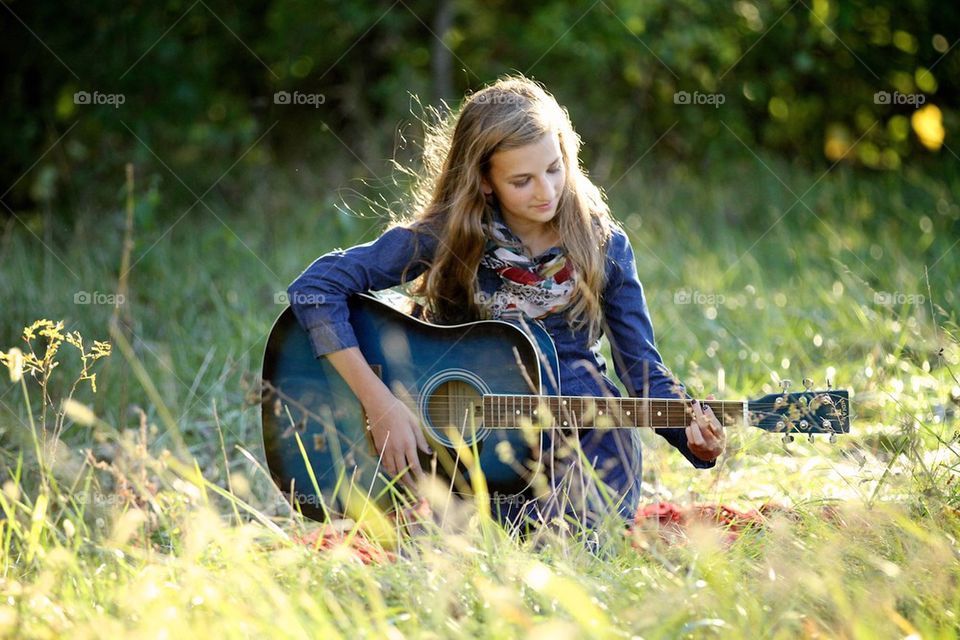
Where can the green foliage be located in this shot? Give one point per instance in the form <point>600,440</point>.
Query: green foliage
<point>198,82</point>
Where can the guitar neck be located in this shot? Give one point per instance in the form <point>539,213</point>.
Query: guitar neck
<point>506,411</point>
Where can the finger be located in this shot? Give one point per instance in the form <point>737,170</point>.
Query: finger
<point>422,443</point>
<point>707,409</point>
<point>712,422</point>
<point>388,465</point>
<point>408,480</point>
<point>705,419</point>
<point>693,409</point>
<point>396,466</point>
<point>414,460</point>
<point>715,426</point>
<point>708,428</point>
<point>718,431</point>
<point>691,443</point>
<point>721,435</point>
<point>694,434</point>
<point>709,438</point>
<point>401,474</point>
<point>698,412</point>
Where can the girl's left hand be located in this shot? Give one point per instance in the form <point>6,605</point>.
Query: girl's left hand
<point>705,435</point>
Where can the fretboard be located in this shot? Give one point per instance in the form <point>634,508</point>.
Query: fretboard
<point>504,411</point>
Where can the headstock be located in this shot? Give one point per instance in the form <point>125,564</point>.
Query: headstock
<point>826,411</point>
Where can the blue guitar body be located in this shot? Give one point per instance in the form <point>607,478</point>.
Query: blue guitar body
<point>442,370</point>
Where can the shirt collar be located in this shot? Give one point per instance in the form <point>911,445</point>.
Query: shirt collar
<point>496,216</point>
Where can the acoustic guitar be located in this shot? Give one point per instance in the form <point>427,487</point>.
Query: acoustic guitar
<point>487,396</point>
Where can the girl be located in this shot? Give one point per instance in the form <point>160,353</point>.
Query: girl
<point>506,222</point>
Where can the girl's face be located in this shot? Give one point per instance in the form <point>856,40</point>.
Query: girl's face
<point>527,182</point>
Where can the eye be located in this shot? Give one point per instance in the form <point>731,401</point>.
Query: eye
<point>554,169</point>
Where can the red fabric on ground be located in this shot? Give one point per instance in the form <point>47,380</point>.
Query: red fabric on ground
<point>669,520</point>
<point>672,521</point>
<point>324,539</point>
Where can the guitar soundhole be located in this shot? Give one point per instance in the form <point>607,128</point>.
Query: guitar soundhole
<point>454,407</point>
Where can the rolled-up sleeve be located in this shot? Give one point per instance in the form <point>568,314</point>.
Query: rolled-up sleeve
<point>318,296</point>
<point>630,333</point>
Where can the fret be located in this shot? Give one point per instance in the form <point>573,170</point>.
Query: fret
<point>656,413</point>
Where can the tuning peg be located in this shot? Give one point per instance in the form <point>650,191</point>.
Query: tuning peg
<point>829,384</point>
<point>785,384</point>
<point>808,384</point>
<point>787,438</point>
<point>810,438</point>
<point>833,438</point>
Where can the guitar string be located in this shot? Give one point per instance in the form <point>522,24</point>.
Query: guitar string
<point>507,397</point>
<point>673,411</point>
<point>599,399</point>
<point>672,406</point>
<point>680,414</point>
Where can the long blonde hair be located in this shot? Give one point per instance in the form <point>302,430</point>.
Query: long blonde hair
<point>448,201</point>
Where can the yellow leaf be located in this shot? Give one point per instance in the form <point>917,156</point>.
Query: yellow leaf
<point>928,125</point>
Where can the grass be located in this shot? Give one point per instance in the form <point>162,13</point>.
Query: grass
<point>106,532</point>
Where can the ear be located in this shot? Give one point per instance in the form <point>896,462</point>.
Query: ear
<point>485,187</point>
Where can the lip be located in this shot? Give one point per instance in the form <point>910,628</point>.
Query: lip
<point>545,207</point>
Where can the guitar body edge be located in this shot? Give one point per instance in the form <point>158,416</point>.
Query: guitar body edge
<point>441,372</point>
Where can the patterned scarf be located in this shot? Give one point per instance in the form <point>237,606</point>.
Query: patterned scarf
<point>535,286</point>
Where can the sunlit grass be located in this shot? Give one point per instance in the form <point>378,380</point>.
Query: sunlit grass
<point>131,539</point>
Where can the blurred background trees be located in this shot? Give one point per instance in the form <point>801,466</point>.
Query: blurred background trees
<point>815,82</point>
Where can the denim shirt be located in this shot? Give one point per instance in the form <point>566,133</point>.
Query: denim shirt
<point>318,299</point>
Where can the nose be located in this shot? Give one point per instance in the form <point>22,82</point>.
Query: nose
<point>546,191</point>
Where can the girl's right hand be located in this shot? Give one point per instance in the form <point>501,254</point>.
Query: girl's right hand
<point>397,435</point>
